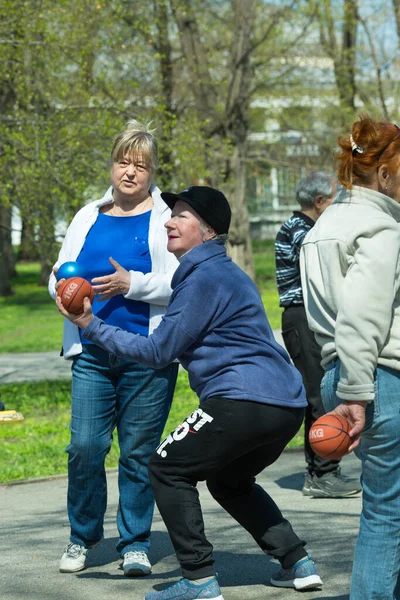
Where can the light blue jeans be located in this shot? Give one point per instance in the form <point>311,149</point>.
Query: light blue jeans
<point>376,566</point>
<point>107,393</point>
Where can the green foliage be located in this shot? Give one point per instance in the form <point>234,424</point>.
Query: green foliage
<point>75,71</point>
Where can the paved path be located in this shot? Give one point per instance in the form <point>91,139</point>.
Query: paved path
<point>34,529</point>
<point>41,366</point>
<point>33,366</point>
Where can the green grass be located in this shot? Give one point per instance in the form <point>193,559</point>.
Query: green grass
<point>36,447</point>
<point>31,323</point>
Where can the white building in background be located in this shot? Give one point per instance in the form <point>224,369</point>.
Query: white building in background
<point>16,227</point>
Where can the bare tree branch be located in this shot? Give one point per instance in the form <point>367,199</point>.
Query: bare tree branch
<point>378,69</point>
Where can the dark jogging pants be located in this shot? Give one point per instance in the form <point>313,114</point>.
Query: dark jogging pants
<point>305,353</point>
<point>226,443</point>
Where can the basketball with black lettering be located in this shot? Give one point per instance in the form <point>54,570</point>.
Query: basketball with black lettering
<point>72,293</point>
<point>329,436</point>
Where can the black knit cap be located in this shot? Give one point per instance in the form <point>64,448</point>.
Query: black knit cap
<point>210,204</point>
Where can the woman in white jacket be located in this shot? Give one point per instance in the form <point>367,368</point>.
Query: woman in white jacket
<point>351,279</point>
<point>121,244</point>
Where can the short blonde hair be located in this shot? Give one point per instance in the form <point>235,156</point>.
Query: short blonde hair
<point>137,138</point>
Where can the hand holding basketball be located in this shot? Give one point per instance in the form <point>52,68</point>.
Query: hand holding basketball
<point>72,292</point>
<point>354,412</point>
<point>329,436</point>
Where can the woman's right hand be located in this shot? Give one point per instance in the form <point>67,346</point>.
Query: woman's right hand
<point>83,319</point>
<point>354,412</point>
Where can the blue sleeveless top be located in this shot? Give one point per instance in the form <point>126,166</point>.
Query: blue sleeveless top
<point>125,239</point>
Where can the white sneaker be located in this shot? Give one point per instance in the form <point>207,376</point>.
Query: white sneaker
<point>73,559</point>
<point>136,564</point>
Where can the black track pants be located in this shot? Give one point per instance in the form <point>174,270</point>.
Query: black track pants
<point>306,356</point>
<point>227,443</point>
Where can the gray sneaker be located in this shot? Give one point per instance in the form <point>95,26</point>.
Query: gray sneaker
<point>303,575</point>
<point>73,559</point>
<point>136,564</point>
<point>308,480</point>
<point>333,485</point>
<point>186,590</point>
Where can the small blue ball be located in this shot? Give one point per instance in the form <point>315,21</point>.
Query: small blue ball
<point>70,269</point>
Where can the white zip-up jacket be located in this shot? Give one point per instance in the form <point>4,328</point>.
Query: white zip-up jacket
<point>350,271</point>
<point>153,287</point>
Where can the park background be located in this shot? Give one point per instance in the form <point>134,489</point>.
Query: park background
<point>244,95</point>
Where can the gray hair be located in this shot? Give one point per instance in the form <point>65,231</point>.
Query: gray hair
<point>221,237</point>
<point>316,183</point>
<point>205,228</point>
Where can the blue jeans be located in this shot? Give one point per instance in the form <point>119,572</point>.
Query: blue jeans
<point>107,393</point>
<point>376,569</point>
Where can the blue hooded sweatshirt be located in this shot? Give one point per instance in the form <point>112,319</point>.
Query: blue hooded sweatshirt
<point>216,326</point>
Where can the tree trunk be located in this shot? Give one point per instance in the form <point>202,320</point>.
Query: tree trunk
<point>7,265</point>
<point>345,67</point>
<point>239,245</point>
<point>28,249</point>
<point>196,57</point>
<point>396,7</point>
<point>343,55</point>
<point>47,244</point>
<point>238,125</point>
<point>164,51</point>
<point>233,124</point>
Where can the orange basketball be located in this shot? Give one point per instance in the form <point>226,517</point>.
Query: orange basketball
<point>329,436</point>
<point>72,293</point>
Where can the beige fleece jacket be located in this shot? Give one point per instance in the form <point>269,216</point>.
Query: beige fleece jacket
<point>350,272</point>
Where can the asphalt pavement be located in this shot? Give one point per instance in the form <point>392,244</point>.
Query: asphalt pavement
<point>33,366</point>
<point>34,530</point>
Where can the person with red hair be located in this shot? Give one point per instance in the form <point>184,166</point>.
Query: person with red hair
<point>350,268</point>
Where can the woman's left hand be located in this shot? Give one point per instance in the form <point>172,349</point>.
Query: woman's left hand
<point>112,285</point>
<point>81,320</point>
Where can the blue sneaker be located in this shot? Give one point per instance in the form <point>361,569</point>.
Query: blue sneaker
<point>301,576</point>
<point>184,590</point>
